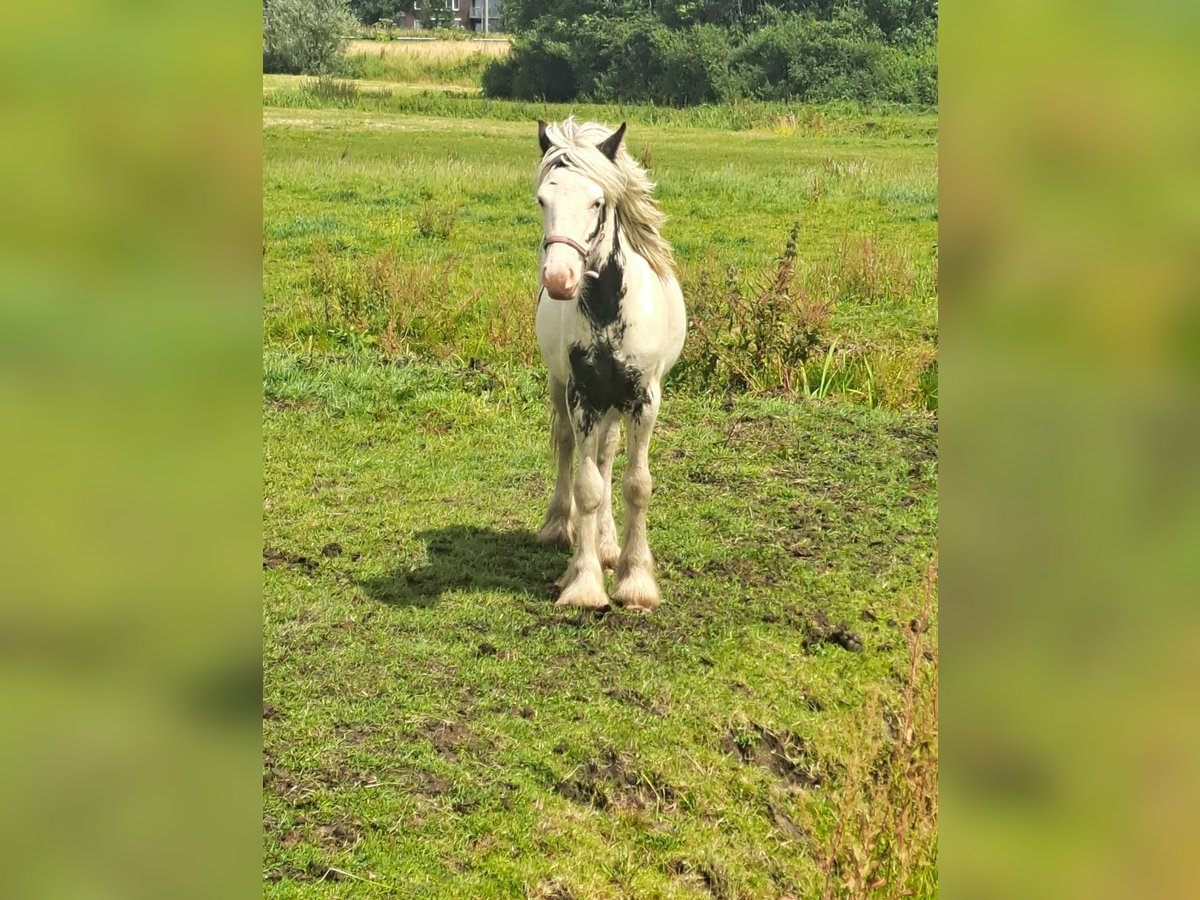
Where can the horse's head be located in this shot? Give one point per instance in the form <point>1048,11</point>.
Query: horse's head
<point>574,210</point>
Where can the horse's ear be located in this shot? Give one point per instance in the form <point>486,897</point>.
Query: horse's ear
<point>610,144</point>
<point>542,139</point>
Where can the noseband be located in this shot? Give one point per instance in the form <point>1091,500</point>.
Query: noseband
<point>570,242</point>
<point>583,251</point>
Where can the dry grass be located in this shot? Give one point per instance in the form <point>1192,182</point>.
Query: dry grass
<point>865,270</point>
<point>434,51</point>
<point>457,64</point>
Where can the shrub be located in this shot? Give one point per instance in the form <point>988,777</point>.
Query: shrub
<point>757,339</point>
<point>538,68</point>
<point>304,36</point>
<point>785,56</point>
<point>497,79</point>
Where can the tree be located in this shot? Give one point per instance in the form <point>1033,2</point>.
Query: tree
<point>304,36</point>
<point>436,14</point>
<point>371,11</point>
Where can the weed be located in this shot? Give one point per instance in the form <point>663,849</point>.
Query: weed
<point>759,337</point>
<point>375,300</point>
<point>435,220</point>
<point>884,841</point>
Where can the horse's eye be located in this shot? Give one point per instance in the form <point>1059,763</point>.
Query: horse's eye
<point>596,205</point>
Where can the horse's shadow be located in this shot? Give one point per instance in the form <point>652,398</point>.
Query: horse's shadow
<point>467,557</point>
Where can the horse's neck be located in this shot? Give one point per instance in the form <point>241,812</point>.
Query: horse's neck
<point>613,241</point>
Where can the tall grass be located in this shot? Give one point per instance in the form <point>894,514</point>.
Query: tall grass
<point>772,332</point>
<point>843,118</point>
<point>399,306</point>
<point>883,842</point>
<point>437,62</point>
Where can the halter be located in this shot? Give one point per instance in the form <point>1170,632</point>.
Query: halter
<point>583,251</point>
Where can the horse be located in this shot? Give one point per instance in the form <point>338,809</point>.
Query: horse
<point>610,324</point>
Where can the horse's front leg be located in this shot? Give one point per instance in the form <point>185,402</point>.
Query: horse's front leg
<point>636,587</point>
<point>583,583</point>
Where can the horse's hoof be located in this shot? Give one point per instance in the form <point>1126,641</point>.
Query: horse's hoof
<point>557,533</point>
<point>583,592</point>
<point>637,591</point>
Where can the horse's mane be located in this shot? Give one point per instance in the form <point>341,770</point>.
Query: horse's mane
<point>623,180</point>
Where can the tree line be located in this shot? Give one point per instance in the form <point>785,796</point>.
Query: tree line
<point>685,52</point>
<point>670,52</point>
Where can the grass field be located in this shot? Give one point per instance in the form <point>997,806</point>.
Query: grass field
<point>433,725</point>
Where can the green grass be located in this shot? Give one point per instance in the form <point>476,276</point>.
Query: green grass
<point>430,701</point>
<point>362,184</point>
<point>433,725</point>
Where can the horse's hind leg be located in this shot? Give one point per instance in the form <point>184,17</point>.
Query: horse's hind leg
<point>609,550</point>
<point>558,527</point>
<point>636,587</point>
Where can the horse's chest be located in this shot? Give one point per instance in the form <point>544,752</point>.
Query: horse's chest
<point>602,378</point>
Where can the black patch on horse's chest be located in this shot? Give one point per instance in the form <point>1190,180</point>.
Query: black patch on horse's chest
<point>601,381</point>
<point>600,297</point>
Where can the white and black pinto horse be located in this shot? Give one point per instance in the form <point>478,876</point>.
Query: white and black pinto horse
<point>610,324</point>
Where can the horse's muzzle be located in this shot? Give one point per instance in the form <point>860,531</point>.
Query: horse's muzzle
<point>561,274</point>
<point>560,290</point>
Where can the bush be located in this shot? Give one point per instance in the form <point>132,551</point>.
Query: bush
<point>788,56</point>
<point>538,68</point>
<point>497,79</point>
<point>304,36</point>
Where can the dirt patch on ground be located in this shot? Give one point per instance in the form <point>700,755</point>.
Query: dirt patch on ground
<point>703,875</point>
<point>274,559</point>
<point>333,837</point>
<point>551,889</point>
<point>295,789</point>
<point>785,825</point>
<point>784,754</point>
<point>281,404</point>
<point>818,630</point>
<point>613,783</point>
<point>450,739</point>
